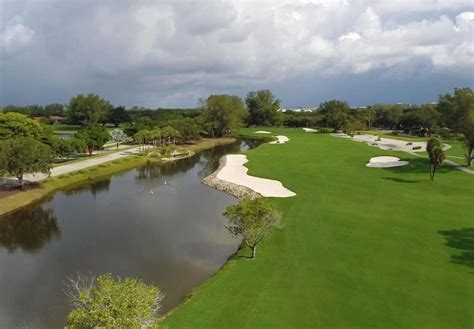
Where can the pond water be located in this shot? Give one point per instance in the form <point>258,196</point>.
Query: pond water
<point>157,223</point>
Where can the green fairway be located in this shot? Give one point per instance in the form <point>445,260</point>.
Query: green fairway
<point>362,247</point>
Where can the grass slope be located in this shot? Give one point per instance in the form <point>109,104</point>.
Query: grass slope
<point>362,247</point>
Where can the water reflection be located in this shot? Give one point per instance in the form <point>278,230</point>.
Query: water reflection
<point>28,229</point>
<point>94,187</point>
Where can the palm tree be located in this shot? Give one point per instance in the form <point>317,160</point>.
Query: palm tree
<point>436,155</point>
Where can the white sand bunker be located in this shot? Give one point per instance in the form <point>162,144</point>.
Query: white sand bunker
<point>386,162</point>
<point>310,130</point>
<point>281,140</point>
<point>234,172</point>
<point>389,143</point>
<point>263,132</point>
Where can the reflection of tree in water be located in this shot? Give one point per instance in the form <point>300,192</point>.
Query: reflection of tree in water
<point>28,229</point>
<point>94,187</point>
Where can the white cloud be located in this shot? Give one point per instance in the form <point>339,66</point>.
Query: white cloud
<point>169,50</point>
<point>16,37</point>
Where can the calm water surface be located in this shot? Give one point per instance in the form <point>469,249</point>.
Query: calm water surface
<point>174,237</point>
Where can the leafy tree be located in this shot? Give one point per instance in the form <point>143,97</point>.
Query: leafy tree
<point>112,302</point>
<point>93,137</point>
<point>88,109</point>
<point>27,155</point>
<point>252,220</point>
<point>14,125</point>
<point>3,158</point>
<point>264,109</point>
<point>118,136</point>
<point>54,109</point>
<point>223,114</point>
<point>118,115</point>
<point>457,113</point>
<point>352,125</point>
<point>170,134</point>
<point>420,121</point>
<point>436,155</point>
<point>335,113</point>
<point>188,128</point>
<point>65,147</point>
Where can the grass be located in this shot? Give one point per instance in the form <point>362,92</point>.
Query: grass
<point>362,247</point>
<point>21,199</point>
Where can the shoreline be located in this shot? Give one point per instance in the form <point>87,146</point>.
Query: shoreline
<point>53,184</point>
<point>237,191</point>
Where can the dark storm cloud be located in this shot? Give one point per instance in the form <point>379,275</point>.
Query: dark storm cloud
<point>163,53</point>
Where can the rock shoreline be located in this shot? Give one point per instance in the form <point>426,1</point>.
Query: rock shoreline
<point>238,191</point>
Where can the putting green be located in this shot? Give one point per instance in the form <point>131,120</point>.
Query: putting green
<point>362,248</point>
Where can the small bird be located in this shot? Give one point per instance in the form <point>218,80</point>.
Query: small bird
<point>165,182</point>
<point>151,192</point>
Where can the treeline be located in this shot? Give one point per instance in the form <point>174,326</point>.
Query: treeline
<point>217,116</point>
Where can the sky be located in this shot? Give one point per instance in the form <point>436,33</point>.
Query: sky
<point>172,53</point>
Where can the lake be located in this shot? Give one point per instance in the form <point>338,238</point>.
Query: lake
<point>157,223</point>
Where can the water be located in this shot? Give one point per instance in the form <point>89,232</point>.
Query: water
<point>156,223</point>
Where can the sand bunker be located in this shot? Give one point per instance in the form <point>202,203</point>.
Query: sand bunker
<point>310,130</point>
<point>263,132</point>
<point>389,143</point>
<point>281,140</point>
<point>386,162</point>
<point>234,172</point>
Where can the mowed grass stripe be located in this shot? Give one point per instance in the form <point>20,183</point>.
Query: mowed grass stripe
<point>361,247</point>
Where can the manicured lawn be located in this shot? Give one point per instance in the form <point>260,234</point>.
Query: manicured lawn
<point>362,247</point>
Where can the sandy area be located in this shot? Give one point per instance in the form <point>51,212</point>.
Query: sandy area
<point>281,140</point>
<point>310,130</point>
<point>386,162</point>
<point>262,132</point>
<point>234,172</point>
<point>389,143</point>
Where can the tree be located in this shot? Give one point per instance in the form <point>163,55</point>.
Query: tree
<point>54,109</point>
<point>27,155</point>
<point>335,113</point>
<point>3,158</point>
<point>65,147</point>
<point>253,221</point>
<point>112,302</point>
<point>457,113</point>
<point>264,109</point>
<point>14,125</point>
<point>435,154</point>
<point>118,136</point>
<point>88,109</point>
<point>93,137</point>
<point>223,114</point>
<point>118,115</point>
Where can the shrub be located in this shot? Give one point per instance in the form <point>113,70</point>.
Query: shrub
<point>416,148</point>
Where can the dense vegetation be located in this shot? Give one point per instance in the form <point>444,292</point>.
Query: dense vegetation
<point>223,115</point>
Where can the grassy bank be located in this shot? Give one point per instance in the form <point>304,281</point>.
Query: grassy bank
<point>52,184</point>
<point>362,247</point>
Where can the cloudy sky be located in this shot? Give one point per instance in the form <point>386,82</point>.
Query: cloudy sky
<point>171,53</point>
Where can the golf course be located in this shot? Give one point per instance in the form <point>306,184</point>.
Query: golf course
<point>361,247</point>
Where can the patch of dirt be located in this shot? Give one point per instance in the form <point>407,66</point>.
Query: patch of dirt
<point>9,188</point>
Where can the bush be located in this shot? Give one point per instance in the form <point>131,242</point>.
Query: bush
<point>409,143</point>
<point>416,148</point>
<point>112,302</point>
